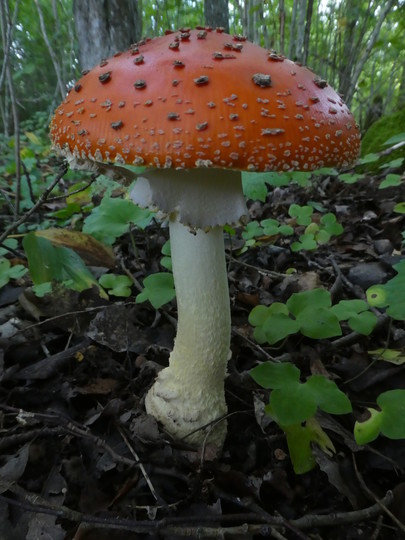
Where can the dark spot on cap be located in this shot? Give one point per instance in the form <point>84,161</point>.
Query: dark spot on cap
<point>321,83</point>
<point>139,59</point>
<point>202,34</point>
<point>104,77</point>
<point>173,116</point>
<point>139,84</point>
<point>174,45</point>
<point>262,80</point>
<point>202,126</point>
<point>272,131</point>
<point>78,87</point>
<point>178,64</point>
<point>117,125</point>
<point>82,132</point>
<point>200,81</point>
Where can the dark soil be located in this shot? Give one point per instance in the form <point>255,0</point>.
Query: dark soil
<point>80,459</point>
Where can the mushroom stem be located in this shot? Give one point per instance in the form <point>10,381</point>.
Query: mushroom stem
<point>190,392</point>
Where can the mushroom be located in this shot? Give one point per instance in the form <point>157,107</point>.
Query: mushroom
<point>195,108</point>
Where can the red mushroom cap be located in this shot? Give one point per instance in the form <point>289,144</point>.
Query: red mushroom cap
<point>202,98</point>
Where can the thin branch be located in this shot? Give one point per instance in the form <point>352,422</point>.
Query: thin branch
<point>40,201</point>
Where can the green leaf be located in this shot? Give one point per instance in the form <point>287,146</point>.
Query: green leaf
<point>363,323</point>
<point>390,295</point>
<point>350,178</point>
<point>388,355</point>
<point>48,263</point>
<point>329,223</point>
<point>368,430</point>
<point>254,185</point>
<point>369,158</point>
<point>8,243</point>
<point>302,214</point>
<point>399,137</point>
<point>392,405</point>
<point>272,323</point>
<point>319,323</point>
<point>327,395</point>
<point>300,439</point>
<point>113,217</point>
<point>391,180</point>
<point>399,208</point>
<point>8,272</point>
<point>278,326</point>
<point>314,298</point>
<point>158,289</point>
<point>390,420</point>
<point>272,227</point>
<point>306,242</point>
<point>275,375</point>
<point>166,261</point>
<point>292,403</point>
<point>252,230</point>
<point>118,285</point>
<point>42,289</point>
<point>348,308</point>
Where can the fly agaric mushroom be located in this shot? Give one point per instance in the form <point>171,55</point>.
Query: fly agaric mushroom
<point>196,107</point>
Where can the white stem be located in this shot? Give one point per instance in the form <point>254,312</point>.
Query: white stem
<point>190,392</point>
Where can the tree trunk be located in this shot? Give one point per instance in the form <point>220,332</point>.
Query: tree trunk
<point>104,28</point>
<point>216,13</point>
<point>282,25</point>
<point>307,32</point>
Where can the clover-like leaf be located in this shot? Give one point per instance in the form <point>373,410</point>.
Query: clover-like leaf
<point>275,375</point>
<point>158,289</point>
<point>118,285</point>
<point>389,420</point>
<point>7,271</point>
<point>272,323</point>
<point>113,217</point>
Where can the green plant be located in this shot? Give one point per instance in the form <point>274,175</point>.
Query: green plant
<point>389,420</point>
<point>158,289</point>
<point>293,405</point>
<point>116,285</point>
<point>48,263</point>
<point>113,217</point>
<point>312,314</point>
<point>7,271</point>
<point>391,295</point>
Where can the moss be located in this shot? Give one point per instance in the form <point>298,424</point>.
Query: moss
<point>381,131</point>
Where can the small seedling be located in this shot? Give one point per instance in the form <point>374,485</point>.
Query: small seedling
<point>158,289</point>
<point>293,405</point>
<point>312,314</point>
<point>117,285</point>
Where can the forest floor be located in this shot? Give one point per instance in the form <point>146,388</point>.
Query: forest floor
<point>80,459</point>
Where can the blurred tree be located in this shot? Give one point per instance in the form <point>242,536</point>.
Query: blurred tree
<point>103,28</point>
<point>216,13</point>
